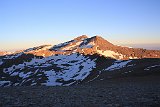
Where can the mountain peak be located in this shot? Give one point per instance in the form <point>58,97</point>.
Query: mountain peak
<point>82,37</point>
<point>73,62</point>
<point>100,41</point>
<point>97,36</point>
<point>89,46</point>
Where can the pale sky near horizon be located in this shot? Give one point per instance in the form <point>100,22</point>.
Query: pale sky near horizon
<point>29,23</point>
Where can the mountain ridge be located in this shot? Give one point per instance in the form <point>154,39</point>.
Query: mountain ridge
<point>77,61</point>
<point>93,45</point>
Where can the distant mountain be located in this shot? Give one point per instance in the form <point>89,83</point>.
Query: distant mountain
<point>76,61</point>
<point>90,46</point>
<point>2,53</point>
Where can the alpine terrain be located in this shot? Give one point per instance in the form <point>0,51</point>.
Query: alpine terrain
<point>79,61</point>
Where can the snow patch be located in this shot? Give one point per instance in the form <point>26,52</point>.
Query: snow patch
<point>14,74</point>
<point>24,75</point>
<point>109,53</point>
<point>2,83</point>
<point>72,46</point>
<point>133,57</point>
<point>74,67</point>
<point>57,47</point>
<point>1,62</point>
<point>89,45</point>
<point>148,68</point>
<point>72,72</point>
<point>118,65</point>
<point>39,48</point>
<point>13,56</point>
<point>52,78</point>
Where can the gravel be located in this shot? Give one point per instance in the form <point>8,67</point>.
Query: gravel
<point>126,92</point>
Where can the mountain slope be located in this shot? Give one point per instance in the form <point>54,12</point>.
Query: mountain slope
<point>98,45</point>
<point>90,46</point>
<point>80,60</point>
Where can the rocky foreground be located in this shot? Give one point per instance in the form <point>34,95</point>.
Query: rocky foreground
<point>142,91</point>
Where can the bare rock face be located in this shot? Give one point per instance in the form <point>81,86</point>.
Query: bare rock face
<point>81,37</point>
<point>101,42</point>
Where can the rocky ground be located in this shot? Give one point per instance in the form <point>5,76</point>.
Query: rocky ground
<point>122,92</point>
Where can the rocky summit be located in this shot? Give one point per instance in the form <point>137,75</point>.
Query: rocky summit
<point>79,61</point>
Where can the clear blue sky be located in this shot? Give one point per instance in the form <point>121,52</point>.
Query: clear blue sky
<point>28,23</point>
